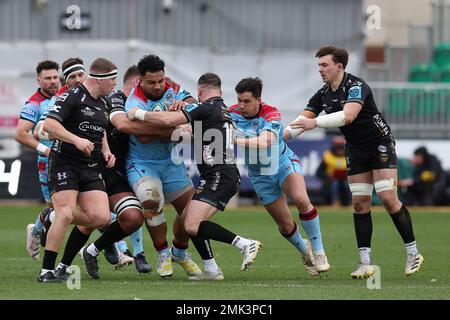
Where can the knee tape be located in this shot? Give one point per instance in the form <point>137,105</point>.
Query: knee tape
<point>385,185</point>
<point>149,189</point>
<point>156,220</point>
<point>361,189</point>
<point>127,203</point>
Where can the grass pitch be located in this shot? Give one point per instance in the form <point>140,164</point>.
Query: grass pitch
<point>276,274</point>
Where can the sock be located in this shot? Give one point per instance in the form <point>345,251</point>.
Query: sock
<point>92,250</point>
<point>411,248</point>
<point>162,247</point>
<point>403,223</point>
<point>178,250</point>
<point>210,265</point>
<point>296,239</point>
<point>240,242</point>
<point>363,229</point>
<point>112,234</point>
<point>203,248</point>
<point>37,226</point>
<point>49,260</point>
<point>122,246</point>
<point>364,255</point>
<point>211,230</point>
<point>52,216</point>
<point>136,241</point>
<point>311,224</point>
<point>76,241</point>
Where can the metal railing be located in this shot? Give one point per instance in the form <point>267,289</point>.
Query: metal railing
<point>415,110</point>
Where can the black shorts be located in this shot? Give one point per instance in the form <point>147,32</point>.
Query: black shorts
<point>380,155</point>
<point>70,175</point>
<point>115,181</point>
<point>218,186</point>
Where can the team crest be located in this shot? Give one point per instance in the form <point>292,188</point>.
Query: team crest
<point>157,108</point>
<point>384,157</point>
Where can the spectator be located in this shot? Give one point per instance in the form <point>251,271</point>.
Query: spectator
<point>429,178</point>
<point>333,172</point>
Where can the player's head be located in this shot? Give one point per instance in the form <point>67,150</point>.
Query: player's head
<point>332,62</point>
<point>421,155</point>
<point>105,73</point>
<point>131,76</point>
<point>248,92</point>
<point>47,77</point>
<point>208,85</point>
<point>73,71</point>
<point>152,76</point>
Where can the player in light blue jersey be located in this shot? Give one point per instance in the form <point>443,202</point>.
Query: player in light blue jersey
<point>275,172</point>
<point>151,172</point>
<point>48,81</point>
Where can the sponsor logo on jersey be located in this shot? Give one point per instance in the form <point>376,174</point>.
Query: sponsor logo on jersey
<point>62,96</point>
<point>88,112</point>
<point>54,108</point>
<point>382,148</point>
<point>28,111</point>
<point>86,125</point>
<point>354,92</point>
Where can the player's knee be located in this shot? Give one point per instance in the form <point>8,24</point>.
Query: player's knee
<point>149,191</point>
<point>129,212</point>
<point>65,214</point>
<point>302,203</point>
<point>131,220</point>
<point>191,227</point>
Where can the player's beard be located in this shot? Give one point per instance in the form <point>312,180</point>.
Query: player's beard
<point>50,91</point>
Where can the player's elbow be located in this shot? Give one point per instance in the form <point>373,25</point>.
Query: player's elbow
<point>349,118</point>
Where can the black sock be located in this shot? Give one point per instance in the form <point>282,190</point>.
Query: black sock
<point>211,230</point>
<point>363,229</point>
<point>112,234</point>
<point>76,241</point>
<point>403,223</point>
<point>49,260</point>
<point>203,248</point>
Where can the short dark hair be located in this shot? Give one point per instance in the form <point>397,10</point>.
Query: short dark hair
<point>102,65</point>
<point>131,72</point>
<point>71,62</point>
<point>210,79</point>
<point>46,65</point>
<point>253,85</point>
<point>150,63</point>
<point>340,55</point>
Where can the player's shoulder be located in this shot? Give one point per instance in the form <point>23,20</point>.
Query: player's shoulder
<point>61,90</point>
<point>137,94</point>
<point>171,84</point>
<point>353,80</point>
<point>116,97</point>
<point>36,98</point>
<point>234,109</point>
<point>269,113</point>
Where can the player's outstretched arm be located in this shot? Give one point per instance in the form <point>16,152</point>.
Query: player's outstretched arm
<point>293,130</point>
<point>160,119</point>
<point>263,141</point>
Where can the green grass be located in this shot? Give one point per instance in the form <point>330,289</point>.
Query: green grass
<point>276,274</point>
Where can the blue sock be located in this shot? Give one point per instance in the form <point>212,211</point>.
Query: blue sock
<point>122,245</point>
<point>311,224</point>
<point>113,216</point>
<point>296,239</point>
<point>177,252</point>
<point>136,241</point>
<point>37,226</point>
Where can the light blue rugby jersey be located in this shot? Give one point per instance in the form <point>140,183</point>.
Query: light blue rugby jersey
<point>156,150</point>
<point>268,118</point>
